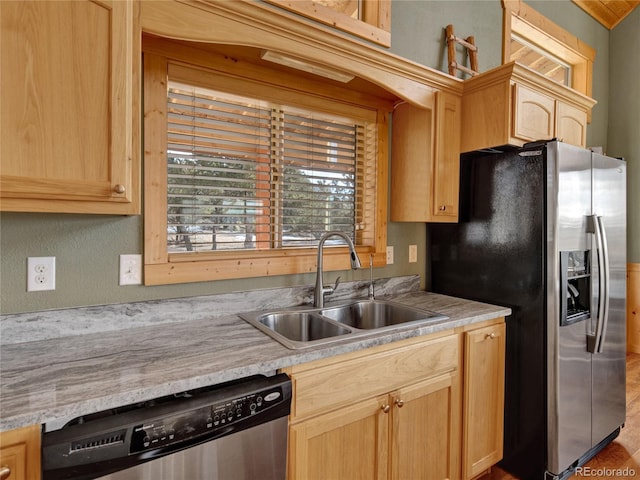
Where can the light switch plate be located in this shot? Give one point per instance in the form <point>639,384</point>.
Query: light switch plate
<point>413,253</point>
<point>131,269</point>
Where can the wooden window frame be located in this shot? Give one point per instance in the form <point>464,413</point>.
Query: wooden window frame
<point>374,26</point>
<point>536,28</point>
<point>162,267</point>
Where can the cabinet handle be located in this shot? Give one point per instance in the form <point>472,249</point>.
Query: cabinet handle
<point>491,335</point>
<point>119,188</point>
<point>385,408</point>
<point>5,472</point>
<point>399,402</point>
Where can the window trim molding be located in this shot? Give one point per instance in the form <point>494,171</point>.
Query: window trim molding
<point>162,267</point>
<point>530,24</point>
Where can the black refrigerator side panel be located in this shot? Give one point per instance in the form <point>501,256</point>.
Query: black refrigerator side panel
<point>496,254</point>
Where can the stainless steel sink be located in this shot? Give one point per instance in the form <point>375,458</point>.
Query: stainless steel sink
<point>303,327</point>
<point>375,314</point>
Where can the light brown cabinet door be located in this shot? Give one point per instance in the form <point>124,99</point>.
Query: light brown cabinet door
<point>533,114</point>
<point>483,399</point>
<point>349,443</point>
<point>70,136</point>
<point>423,440</point>
<point>20,453</point>
<point>571,124</point>
<point>446,168</point>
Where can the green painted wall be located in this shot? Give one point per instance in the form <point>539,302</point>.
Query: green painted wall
<point>624,118</point>
<point>87,248</point>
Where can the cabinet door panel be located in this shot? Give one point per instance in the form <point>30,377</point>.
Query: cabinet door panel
<point>483,398</point>
<point>69,134</point>
<point>533,114</point>
<point>423,444</point>
<point>14,458</point>
<point>446,168</point>
<point>350,443</point>
<point>571,124</point>
<point>20,452</point>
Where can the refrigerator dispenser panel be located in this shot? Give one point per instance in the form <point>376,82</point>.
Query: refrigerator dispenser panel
<point>575,287</point>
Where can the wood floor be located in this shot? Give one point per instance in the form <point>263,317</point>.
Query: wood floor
<point>623,452</point>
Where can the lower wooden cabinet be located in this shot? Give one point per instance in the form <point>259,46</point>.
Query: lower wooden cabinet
<point>351,442</point>
<point>424,408</point>
<point>483,403</point>
<point>406,434</point>
<point>423,435</point>
<point>20,454</point>
<point>395,416</point>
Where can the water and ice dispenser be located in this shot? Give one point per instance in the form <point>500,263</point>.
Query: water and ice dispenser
<point>575,286</point>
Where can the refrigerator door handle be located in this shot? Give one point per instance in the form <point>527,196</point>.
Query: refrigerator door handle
<point>595,341</point>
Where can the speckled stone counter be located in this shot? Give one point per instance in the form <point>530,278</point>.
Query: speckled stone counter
<point>171,346</point>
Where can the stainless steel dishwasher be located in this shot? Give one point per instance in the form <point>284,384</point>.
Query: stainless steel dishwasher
<point>234,431</point>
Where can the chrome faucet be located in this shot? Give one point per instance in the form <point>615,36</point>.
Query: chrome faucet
<point>320,290</point>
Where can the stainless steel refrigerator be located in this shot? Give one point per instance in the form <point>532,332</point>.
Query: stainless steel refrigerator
<point>543,230</point>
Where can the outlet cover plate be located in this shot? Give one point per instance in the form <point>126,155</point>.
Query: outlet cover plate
<point>41,274</point>
<point>390,255</point>
<point>131,269</point>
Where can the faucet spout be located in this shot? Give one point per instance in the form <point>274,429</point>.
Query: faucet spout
<point>320,290</point>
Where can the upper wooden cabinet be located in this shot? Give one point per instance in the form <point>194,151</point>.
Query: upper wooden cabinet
<point>20,454</point>
<point>513,105</point>
<point>425,161</point>
<point>70,106</point>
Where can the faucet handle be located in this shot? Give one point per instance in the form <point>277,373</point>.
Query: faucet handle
<point>335,287</point>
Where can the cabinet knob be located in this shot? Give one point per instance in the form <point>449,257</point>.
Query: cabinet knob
<point>399,402</point>
<point>4,473</point>
<point>442,208</point>
<point>385,408</point>
<point>491,335</point>
<point>119,188</point>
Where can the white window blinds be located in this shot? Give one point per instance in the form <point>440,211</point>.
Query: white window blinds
<point>247,174</point>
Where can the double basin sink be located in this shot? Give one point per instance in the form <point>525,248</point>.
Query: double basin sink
<point>302,327</point>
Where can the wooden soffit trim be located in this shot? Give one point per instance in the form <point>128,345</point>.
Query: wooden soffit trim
<point>260,25</point>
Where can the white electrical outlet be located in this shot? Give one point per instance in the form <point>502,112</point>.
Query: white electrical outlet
<point>41,274</point>
<point>389,255</point>
<point>413,253</point>
<point>131,269</point>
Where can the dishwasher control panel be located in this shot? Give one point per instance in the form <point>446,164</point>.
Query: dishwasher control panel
<point>101,443</point>
<point>184,426</point>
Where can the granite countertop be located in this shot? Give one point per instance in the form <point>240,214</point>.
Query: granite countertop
<point>59,376</point>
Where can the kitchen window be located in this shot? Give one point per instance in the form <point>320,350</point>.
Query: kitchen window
<point>535,41</point>
<point>253,175</point>
<point>243,176</point>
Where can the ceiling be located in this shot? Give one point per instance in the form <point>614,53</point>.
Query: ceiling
<point>608,12</point>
